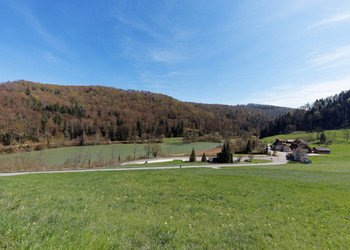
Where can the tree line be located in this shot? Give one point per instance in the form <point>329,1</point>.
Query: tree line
<point>324,114</point>
<point>35,112</point>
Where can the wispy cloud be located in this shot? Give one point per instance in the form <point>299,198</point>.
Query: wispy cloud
<point>162,81</point>
<point>165,56</point>
<point>37,26</point>
<point>147,76</point>
<point>51,58</point>
<point>126,15</point>
<point>335,19</point>
<point>337,55</point>
<point>298,95</point>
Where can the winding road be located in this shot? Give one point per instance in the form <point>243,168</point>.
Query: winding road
<point>279,160</point>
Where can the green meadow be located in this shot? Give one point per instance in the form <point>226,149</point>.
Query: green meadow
<point>242,207</point>
<point>291,206</point>
<point>59,156</point>
<point>333,136</point>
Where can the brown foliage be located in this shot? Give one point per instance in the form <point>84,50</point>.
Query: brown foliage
<point>41,112</point>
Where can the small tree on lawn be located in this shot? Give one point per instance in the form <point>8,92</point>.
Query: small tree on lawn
<point>204,158</point>
<point>322,138</point>
<point>226,154</point>
<point>249,147</point>
<point>193,156</point>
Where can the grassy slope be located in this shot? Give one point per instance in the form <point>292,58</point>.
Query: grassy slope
<point>290,206</point>
<point>242,207</point>
<point>334,135</point>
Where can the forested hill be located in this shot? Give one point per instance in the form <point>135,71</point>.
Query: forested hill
<point>34,111</point>
<point>329,113</point>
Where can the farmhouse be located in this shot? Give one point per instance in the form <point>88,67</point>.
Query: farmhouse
<point>279,145</point>
<point>321,150</point>
<point>300,144</point>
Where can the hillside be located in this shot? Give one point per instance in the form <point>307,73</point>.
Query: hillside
<point>35,112</point>
<point>324,114</point>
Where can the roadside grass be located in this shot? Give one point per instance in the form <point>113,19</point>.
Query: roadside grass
<point>187,163</point>
<point>50,158</point>
<point>242,207</point>
<point>257,161</point>
<point>168,163</point>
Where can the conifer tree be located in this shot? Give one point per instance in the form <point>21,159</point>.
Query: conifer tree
<point>204,158</point>
<point>322,138</point>
<point>226,154</point>
<point>249,146</point>
<point>193,156</point>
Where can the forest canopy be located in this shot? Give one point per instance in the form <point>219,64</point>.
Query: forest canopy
<point>329,113</point>
<point>33,112</point>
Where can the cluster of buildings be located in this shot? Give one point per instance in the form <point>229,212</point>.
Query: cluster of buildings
<point>298,149</point>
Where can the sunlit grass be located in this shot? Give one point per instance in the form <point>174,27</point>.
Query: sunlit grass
<point>298,206</point>
<point>243,207</point>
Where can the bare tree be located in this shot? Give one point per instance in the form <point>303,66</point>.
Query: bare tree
<point>88,158</point>
<point>156,150</point>
<point>148,149</point>
<point>169,149</point>
<point>101,158</point>
<point>134,150</point>
<point>128,158</point>
<point>113,153</point>
<point>300,155</point>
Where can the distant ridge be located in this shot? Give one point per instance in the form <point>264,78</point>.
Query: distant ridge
<point>33,112</point>
<point>324,114</point>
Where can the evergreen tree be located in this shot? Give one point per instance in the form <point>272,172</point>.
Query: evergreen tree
<point>193,156</point>
<point>322,138</point>
<point>249,146</point>
<point>226,154</point>
<point>204,158</point>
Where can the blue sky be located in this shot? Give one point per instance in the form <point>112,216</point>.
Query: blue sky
<point>283,53</point>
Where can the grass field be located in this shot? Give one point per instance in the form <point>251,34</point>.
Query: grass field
<point>59,156</point>
<point>335,136</point>
<point>292,206</point>
<point>242,207</point>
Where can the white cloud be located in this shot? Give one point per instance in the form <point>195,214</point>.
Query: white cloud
<point>298,95</point>
<point>166,56</point>
<point>337,55</point>
<point>335,19</point>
